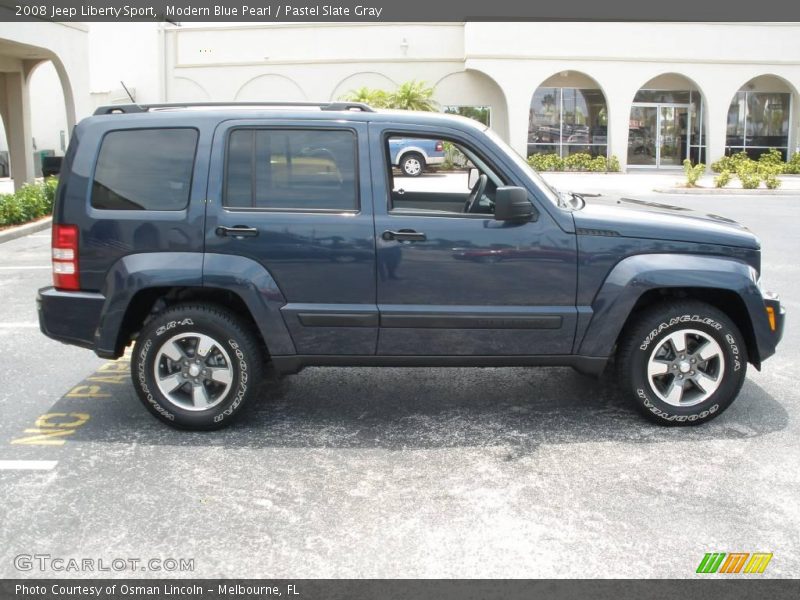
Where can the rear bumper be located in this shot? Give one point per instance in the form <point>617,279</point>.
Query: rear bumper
<point>69,317</point>
<point>435,160</point>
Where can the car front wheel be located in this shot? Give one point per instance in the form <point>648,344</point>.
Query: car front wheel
<point>682,363</point>
<point>195,366</point>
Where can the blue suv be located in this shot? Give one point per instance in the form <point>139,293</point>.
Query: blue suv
<point>221,239</point>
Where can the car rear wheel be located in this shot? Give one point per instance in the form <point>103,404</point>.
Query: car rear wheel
<point>682,363</point>
<point>412,164</point>
<point>195,366</point>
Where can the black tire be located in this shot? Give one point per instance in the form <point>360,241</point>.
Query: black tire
<point>236,359</point>
<point>707,388</point>
<point>412,164</point>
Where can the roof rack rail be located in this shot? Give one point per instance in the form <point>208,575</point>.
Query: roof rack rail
<point>143,108</point>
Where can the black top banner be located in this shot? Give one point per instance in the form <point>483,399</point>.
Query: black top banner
<point>258,11</point>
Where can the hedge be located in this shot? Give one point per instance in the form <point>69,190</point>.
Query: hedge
<point>33,201</point>
<point>581,161</point>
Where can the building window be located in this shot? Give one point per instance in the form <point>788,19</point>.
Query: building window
<point>482,114</point>
<point>565,121</point>
<point>758,121</point>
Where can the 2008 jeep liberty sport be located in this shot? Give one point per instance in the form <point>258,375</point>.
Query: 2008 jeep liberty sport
<point>221,239</point>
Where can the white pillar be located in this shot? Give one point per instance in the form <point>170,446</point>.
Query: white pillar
<point>18,129</point>
<point>716,123</point>
<point>619,99</point>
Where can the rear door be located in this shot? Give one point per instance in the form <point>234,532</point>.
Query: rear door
<point>291,196</point>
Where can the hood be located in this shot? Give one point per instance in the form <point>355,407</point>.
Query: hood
<point>628,217</point>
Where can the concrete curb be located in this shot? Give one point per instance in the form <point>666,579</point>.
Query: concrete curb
<point>13,233</point>
<point>727,192</point>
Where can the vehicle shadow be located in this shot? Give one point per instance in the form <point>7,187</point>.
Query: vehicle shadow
<point>398,408</point>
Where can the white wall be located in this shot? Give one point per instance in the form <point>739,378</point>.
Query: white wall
<point>129,52</point>
<point>500,64</point>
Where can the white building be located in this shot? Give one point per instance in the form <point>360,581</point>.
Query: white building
<point>651,94</point>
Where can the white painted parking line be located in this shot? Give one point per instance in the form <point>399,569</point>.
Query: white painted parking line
<point>27,465</point>
<point>26,268</point>
<point>30,325</point>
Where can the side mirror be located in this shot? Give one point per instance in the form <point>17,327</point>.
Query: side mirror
<point>473,178</point>
<point>512,204</point>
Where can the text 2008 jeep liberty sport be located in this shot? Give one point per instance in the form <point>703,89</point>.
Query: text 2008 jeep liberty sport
<point>222,238</point>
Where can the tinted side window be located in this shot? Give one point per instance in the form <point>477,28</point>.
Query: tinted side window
<point>291,169</point>
<point>145,169</point>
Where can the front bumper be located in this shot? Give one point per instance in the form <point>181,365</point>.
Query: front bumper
<point>69,317</point>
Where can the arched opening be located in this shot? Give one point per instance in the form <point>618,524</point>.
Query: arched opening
<point>568,114</point>
<point>759,117</point>
<point>365,79</point>
<point>667,123</point>
<point>49,124</point>
<point>475,95</point>
<point>270,88</point>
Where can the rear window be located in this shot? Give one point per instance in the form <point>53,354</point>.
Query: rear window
<point>291,169</point>
<point>144,169</point>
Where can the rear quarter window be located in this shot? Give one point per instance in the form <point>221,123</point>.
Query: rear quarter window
<point>145,169</point>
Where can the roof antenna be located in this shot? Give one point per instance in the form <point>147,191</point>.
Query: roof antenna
<point>127,91</point>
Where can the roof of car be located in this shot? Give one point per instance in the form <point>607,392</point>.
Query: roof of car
<point>351,111</point>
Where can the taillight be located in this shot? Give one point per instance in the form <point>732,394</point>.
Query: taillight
<point>65,257</point>
<point>439,147</point>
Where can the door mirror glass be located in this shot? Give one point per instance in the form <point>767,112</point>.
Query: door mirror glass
<point>511,204</point>
<point>473,178</point>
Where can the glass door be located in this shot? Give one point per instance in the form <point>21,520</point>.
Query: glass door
<point>658,135</point>
<point>642,136</point>
<point>673,135</point>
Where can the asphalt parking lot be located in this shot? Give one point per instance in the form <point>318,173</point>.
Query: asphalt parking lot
<point>397,472</point>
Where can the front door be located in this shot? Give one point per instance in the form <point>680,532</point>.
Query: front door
<point>292,197</point>
<point>451,279</point>
<point>658,135</point>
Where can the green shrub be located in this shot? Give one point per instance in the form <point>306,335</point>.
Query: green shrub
<point>32,201</point>
<point>723,179</point>
<point>731,163</point>
<point>580,161</point>
<point>792,167</point>
<point>546,162</point>
<point>750,179</point>
<point>771,181</point>
<point>693,173</point>
<point>771,157</point>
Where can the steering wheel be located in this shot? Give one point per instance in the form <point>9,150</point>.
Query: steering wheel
<point>475,194</point>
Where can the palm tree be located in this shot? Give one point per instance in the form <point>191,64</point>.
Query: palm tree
<point>375,98</point>
<point>413,95</point>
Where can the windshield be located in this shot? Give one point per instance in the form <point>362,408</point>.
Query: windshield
<point>549,191</point>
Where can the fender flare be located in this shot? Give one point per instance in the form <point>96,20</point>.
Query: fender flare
<point>236,274</point>
<point>635,275</point>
